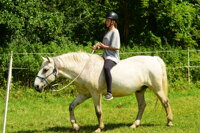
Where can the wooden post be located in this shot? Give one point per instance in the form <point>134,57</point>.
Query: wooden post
<point>7,93</point>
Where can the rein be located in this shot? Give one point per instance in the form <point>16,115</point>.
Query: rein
<point>51,88</point>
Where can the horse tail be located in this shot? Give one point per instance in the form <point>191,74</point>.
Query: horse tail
<point>164,76</point>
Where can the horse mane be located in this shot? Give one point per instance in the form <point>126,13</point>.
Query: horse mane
<point>74,58</point>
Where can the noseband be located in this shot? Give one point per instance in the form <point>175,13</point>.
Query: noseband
<point>46,78</point>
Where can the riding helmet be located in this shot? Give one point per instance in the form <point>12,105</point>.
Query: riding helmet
<point>112,15</point>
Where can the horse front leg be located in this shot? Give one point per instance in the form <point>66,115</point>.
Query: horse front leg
<point>97,98</point>
<point>78,100</point>
<point>141,107</point>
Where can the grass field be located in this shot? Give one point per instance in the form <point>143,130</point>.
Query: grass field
<point>31,112</point>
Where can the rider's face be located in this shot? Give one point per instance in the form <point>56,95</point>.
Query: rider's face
<point>108,22</point>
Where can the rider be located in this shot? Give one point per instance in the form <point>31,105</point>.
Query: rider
<point>111,46</point>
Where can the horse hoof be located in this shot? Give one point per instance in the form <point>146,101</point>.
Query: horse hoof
<point>76,127</point>
<point>170,124</point>
<point>133,126</point>
<point>98,130</point>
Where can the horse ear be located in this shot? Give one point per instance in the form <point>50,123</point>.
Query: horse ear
<point>50,59</point>
<point>44,59</point>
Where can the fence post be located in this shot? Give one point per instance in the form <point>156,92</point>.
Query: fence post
<point>7,93</point>
<point>188,67</point>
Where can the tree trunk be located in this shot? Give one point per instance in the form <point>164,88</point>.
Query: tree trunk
<point>126,14</point>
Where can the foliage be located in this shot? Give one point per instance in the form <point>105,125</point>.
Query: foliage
<point>180,24</point>
<point>166,22</point>
<point>52,26</point>
<point>143,21</point>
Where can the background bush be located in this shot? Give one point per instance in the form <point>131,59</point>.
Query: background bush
<point>52,26</point>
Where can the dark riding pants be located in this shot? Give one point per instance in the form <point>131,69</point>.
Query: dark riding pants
<point>108,64</point>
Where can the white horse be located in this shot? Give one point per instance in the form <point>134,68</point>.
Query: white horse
<point>132,75</point>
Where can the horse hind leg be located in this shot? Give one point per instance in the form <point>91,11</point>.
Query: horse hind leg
<point>165,102</point>
<point>141,106</point>
<point>161,90</point>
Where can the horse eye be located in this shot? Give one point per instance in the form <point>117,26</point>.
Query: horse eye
<point>45,70</point>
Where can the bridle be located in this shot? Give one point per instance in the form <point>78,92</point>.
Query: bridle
<point>46,78</point>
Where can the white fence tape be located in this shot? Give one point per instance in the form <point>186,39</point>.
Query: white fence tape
<point>189,59</point>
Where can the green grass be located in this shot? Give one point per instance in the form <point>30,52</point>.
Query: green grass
<point>31,112</point>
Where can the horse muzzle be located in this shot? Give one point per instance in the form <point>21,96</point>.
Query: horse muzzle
<point>38,88</point>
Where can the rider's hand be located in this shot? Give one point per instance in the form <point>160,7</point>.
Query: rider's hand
<point>96,46</point>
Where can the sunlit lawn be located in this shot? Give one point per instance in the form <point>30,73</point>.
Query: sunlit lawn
<point>48,114</point>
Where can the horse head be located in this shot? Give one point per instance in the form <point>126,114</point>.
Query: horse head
<point>46,74</point>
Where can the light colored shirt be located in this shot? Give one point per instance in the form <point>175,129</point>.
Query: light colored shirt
<point>112,39</point>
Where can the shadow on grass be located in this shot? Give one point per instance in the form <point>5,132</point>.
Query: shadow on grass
<point>84,129</point>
